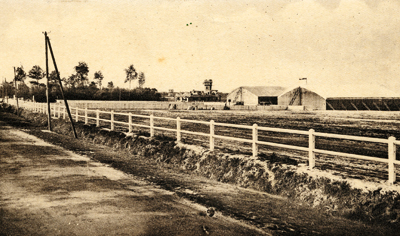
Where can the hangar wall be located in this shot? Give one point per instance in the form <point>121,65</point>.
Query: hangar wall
<point>372,104</point>
<point>247,97</point>
<point>309,99</point>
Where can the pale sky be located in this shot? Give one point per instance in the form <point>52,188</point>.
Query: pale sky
<point>179,44</point>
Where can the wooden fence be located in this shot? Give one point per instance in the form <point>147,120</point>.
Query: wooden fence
<point>59,110</point>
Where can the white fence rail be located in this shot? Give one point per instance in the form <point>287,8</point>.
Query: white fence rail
<point>59,110</point>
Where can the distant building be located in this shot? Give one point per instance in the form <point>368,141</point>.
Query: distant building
<point>360,97</point>
<point>257,95</point>
<point>208,95</point>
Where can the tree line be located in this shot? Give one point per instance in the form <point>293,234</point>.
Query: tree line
<point>77,86</point>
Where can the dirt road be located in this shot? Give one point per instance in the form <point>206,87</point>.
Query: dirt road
<point>47,190</point>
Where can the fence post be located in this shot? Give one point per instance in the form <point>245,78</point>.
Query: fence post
<point>392,158</point>
<point>151,125</point>
<point>86,116</point>
<point>212,132</point>
<point>97,118</point>
<point>59,111</point>
<point>112,120</point>
<point>130,122</point>
<point>311,148</point>
<point>77,114</point>
<point>64,111</point>
<point>178,129</point>
<point>255,139</point>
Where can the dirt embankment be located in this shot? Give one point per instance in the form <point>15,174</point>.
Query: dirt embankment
<point>271,173</point>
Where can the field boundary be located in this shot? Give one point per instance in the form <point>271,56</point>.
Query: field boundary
<point>58,111</point>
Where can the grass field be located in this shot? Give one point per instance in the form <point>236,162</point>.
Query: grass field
<point>367,124</point>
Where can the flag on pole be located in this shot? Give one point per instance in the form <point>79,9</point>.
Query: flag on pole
<point>303,79</point>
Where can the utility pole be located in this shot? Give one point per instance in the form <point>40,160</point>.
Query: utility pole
<point>47,87</point>
<point>2,91</point>
<point>16,90</point>
<point>5,82</point>
<point>61,87</point>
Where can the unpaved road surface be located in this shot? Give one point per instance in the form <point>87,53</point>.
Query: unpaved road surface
<point>47,190</point>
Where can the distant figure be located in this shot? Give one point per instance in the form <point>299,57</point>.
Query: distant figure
<point>172,107</point>
<point>226,107</point>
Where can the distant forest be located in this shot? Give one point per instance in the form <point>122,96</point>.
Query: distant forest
<point>77,86</point>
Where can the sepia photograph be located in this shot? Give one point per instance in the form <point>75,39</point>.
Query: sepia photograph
<point>199,117</point>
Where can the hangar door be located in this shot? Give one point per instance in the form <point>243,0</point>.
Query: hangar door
<point>268,100</point>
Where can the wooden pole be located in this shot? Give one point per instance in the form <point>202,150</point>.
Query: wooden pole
<point>61,87</point>
<point>47,87</point>
<point>254,140</point>
<point>212,133</point>
<point>311,149</point>
<point>16,89</point>
<point>392,159</point>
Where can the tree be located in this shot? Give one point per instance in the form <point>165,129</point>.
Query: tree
<point>82,71</point>
<point>71,81</point>
<point>53,84</point>
<point>131,74</point>
<point>99,77</point>
<point>23,91</point>
<point>36,73</point>
<point>93,85</point>
<point>53,78</point>
<point>142,79</point>
<point>20,74</point>
<point>8,89</point>
<point>110,85</point>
